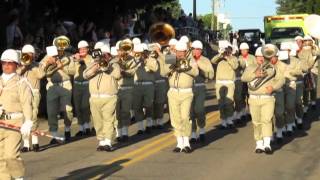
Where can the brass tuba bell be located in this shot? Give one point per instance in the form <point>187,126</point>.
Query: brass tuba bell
<point>269,51</point>
<point>61,42</point>
<point>161,33</point>
<point>312,23</point>
<point>26,59</point>
<point>126,46</point>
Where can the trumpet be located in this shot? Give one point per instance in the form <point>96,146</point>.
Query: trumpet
<point>26,59</point>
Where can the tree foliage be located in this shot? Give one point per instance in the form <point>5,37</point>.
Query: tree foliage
<point>298,6</point>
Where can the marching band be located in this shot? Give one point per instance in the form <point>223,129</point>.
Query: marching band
<point>275,86</point>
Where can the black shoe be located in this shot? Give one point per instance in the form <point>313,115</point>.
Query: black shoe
<point>87,132</point>
<point>125,138</point>
<point>193,140</point>
<point>54,141</point>
<point>237,121</point>
<point>249,117</point>
<point>159,127</point>
<point>177,150</point>
<point>119,139</point>
<point>36,147</point>
<point>140,132</point>
<point>202,138</point>
<point>108,148</point>
<point>80,133</point>
<point>231,126</point>
<point>67,136</point>
<point>25,149</point>
<point>148,130</point>
<point>299,126</point>
<point>289,133</point>
<point>268,150</point>
<point>100,148</point>
<point>243,118</point>
<point>93,131</point>
<point>259,151</point>
<point>279,140</point>
<point>133,120</point>
<point>223,127</point>
<point>187,150</point>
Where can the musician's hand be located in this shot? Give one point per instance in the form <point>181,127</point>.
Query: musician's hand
<point>59,64</point>
<point>269,89</point>
<point>26,128</point>
<point>76,56</point>
<point>260,73</point>
<point>50,60</point>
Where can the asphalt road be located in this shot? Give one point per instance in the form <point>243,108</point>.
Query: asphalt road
<point>227,154</point>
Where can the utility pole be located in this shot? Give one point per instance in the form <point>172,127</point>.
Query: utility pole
<point>194,9</point>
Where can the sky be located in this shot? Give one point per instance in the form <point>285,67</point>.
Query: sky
<point>244,14</point>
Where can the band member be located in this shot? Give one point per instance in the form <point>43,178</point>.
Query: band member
<point>172,45</point>
<point>128,68</point>
<point>281,67</point>
<point>309,54</point>
<point>143,92</point>
<point>181,76</point>
<point>16,109</point>
<point>161,89</point>
<point>293,90</point>
<point>262,81</point>
<point>206,72</point>
<point>81,88</point>
<point>102,75</point>
<point>33,73</point>
<point>58,68</point>
<point>240,97</point>
<point>225,77</point>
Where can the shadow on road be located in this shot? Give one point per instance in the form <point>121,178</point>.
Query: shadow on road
<point>89,172</point>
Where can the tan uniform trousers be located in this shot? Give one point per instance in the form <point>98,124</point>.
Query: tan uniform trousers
<point>179,110</point>
<point>225,93</point>
<point>36,96</point>
<point>124,104</point>
<point>290,102</point>
<point>262,110</point>
<point>59,100</point>
<point>11,164</point>
<point>81,97</point>
<point>198,113</point>
<point>279,119</point>
<point>299,99</point>
<point>103,116</point>
<point>143,97</point>
<point>160,98</point>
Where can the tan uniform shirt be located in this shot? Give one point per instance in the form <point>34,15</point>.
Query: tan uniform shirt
<point>34,73</point>
<point>293,70</point>
<point>226,67</point>
<point>205,70</point>
<point>79,68</point>
<point>179,79</point>
<point>16,96</point>
<point>128,70</point>
<point>276,82</point>
<point>62,74</point>
<point>101,83</point>
<point>146,72</point>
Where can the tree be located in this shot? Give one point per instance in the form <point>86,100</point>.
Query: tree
<point>298,6</point>
<point>207,20</point>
